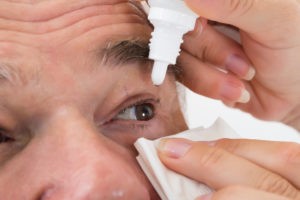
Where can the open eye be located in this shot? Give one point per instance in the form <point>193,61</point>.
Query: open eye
<point>141,112</point>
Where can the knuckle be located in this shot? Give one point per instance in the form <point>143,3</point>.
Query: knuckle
<point>289,155</point>
<point>230,192</point>
<point>212,158</point>
<point>275,184</point>
<point>204,45</point>
<point>239,7</point>
<point>204,53</point>
<point>229,145</point>
<point>198,45</point>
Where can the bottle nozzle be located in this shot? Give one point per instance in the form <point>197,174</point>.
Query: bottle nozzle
<point>171,20</point>
<point>159,72</point>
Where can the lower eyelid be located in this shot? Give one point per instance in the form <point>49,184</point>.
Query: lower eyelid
<point>133,123</point>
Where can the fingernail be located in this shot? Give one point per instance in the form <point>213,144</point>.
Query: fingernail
<point>239,66</point>
<point>174,148</point>
<point>205,197</point>
<point>250,74</point>
<point>197,30</point>
<point>233,92</point>
<point>245,97</point>
<point>199,27</point>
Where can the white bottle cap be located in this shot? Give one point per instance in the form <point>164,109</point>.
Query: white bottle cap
<point>170,24</point>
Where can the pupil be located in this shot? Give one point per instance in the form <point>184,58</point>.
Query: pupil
<point>144,112</point>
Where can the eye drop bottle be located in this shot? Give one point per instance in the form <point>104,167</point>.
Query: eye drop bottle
<point>171,20</point>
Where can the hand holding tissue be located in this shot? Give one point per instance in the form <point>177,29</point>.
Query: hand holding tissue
<point>169,184</point>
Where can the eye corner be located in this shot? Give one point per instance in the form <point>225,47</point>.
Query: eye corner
<point>4,138</point>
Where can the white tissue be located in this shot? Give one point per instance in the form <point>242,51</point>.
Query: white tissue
<point>169,184</point>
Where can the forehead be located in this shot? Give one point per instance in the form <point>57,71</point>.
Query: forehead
<point>32,23</point>
<point>58,26</point>
<point>49,35</point>
<point>35,10</point>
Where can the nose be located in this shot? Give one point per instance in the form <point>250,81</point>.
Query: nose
<point>70,159</point>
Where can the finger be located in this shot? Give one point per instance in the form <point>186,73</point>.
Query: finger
<point>275,156</point>
<point>214,47</point>
<point>251,15</point>
<point>219,168</point>
<point>209,81</point>
<point>239,192</point>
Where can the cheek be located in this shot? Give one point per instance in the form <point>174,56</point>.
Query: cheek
<point>76,171</point>
<point>127,132</point>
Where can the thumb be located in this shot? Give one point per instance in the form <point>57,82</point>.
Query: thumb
<point>248,15</point>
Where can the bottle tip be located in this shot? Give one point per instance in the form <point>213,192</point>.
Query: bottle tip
<point>159,72</point>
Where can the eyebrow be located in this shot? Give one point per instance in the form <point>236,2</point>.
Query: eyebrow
<point>114,54</point>
<point>9,73</point>
<point>124,52</point>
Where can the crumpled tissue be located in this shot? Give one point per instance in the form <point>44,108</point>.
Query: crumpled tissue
<point>169,184</point>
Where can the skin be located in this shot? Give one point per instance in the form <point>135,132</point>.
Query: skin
<point>60,104</point>
<point>56,109</point>
<point>244,169</point>
<point>270,44</point>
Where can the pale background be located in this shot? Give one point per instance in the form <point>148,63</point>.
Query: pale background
<point>202,111</point>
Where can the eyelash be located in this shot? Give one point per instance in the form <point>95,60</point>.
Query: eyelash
<point>4,138</point>
<point>136,123</point>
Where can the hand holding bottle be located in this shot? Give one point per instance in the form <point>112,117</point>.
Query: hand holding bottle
<point>270,43</point>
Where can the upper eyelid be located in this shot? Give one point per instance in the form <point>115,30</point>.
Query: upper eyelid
<point>151,101</point>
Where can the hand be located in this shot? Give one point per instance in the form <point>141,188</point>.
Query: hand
<point>237,169</point>
<point>270,37</point>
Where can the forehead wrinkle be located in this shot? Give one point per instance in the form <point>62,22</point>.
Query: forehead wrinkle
<point>71,18</point>
<point>73,24</point>
<point>26,1</point>
<point>34,11</point>
<point>138,6</point>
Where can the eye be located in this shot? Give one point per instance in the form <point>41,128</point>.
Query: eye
<point>140,112</point>
<point>4,139</point>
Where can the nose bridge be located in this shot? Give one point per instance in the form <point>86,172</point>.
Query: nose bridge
<point>69,144</point>
<point>68,125</point>
<point>84,163</point>
<point>66,118</point>
<point>70,138</point>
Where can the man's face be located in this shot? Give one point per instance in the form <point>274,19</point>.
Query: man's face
<point>75,94</point>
